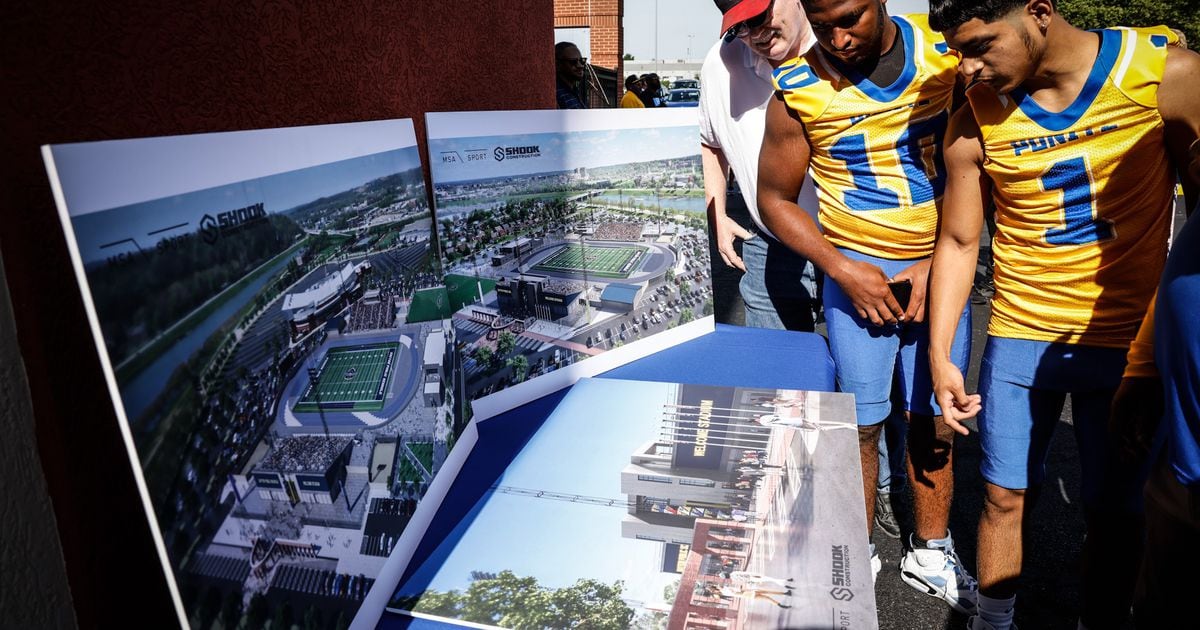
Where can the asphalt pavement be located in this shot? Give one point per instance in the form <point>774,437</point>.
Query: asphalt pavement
<point>1050,592</point>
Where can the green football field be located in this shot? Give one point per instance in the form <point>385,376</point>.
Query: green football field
<point>428,305</point>
<point>607,262</point>
<point>463,290</point>
<point>352,378</point>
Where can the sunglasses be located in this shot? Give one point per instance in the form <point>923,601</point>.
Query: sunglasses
<point>582,61</point>
<point>743,28</point>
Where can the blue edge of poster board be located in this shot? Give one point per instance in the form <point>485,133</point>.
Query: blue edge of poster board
<point>732,356</point>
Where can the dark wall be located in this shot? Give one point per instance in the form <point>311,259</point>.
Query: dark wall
<point>100,70</point>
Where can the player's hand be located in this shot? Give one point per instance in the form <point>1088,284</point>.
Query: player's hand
<point>1137,408</point>
<point>727,230</point>
<point>866,287</point>
<point>951,394</point>
<point>918,274</point>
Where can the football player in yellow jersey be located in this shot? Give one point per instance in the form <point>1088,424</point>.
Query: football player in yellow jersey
<point>1074,135</point>
<point>866,111</point>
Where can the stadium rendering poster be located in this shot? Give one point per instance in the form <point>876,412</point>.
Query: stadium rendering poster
<point>687,504</point>
<point>249,293</point>
<point>571,242</point>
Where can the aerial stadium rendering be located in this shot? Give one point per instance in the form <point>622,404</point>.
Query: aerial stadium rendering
<point>591,239</point>
<point>286,411</point>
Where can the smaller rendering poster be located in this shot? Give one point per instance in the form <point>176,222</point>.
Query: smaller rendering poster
<point>570,242</point>
<point>248,293</point>
<point>660,505</point>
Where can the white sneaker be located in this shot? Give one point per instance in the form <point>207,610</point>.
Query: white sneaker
<point>876,565</point>
<point>937,571</point>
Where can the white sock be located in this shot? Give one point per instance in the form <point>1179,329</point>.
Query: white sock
<point>933,554</point>
<point>997,612</point>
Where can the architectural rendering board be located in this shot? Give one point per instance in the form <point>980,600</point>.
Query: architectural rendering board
<point>571,242</point>
<point>249,293</point>
<point>650,505</point>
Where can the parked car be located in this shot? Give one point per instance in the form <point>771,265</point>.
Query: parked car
<point>680,84</point>
<point>683,98</point>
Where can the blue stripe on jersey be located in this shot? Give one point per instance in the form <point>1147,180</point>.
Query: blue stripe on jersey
<point>1110,47</point>
<point>893,91</point>
<point>1158,40</point>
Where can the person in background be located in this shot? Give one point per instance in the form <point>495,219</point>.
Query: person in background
<point>633,89</point>
<point>779,287</point>
<point>569,66</point>
<point>652,94</point>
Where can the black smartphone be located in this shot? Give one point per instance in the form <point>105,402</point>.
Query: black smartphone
<point>902,291</point>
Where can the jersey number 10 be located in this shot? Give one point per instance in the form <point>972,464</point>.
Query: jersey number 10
<point>911,146</point>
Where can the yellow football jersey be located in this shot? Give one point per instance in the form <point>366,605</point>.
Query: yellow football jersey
<point>1083,199</point>
<point>877,150</point>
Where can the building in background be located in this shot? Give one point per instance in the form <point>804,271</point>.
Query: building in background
<point>595,27</point>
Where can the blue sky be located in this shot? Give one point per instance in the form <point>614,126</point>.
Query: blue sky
<point>580,450</point>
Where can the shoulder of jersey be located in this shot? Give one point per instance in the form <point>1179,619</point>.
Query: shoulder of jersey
<point>807,83</point>
<point>1142,60</point>
<point>936,54</point>
<point>1159,36</point>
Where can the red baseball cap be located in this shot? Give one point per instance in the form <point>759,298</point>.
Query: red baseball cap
<point>739,11</point>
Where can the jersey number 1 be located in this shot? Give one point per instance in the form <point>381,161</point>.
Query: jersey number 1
<point>1080,226</point>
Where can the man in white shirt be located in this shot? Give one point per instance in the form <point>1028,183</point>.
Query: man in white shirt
<point>779,286</point>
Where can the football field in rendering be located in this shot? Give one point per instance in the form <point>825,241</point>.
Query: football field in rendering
<point>603,261</point>
<point>351,378</point>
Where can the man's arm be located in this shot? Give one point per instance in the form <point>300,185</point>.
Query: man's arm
<point>782,166</point>
<point>1180,111</point>
<point>954,259</point>
<point>715,168</point>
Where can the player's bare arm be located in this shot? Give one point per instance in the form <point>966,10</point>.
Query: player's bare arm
<point>716,167</point>
<point>1180,110</point>
<point>782,167</point>
<point>954,258</point>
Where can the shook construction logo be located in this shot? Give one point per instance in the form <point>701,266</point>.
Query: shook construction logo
<point>516,153</point>
<point>209,231</point>
<point>230,222</point>
<point>840,574</point>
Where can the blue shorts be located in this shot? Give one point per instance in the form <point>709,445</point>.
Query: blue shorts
<point>1024,385</point>
<point>869,358</point>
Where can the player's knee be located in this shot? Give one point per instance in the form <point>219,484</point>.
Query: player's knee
<point>930,441</point>
<point>1003,503</point>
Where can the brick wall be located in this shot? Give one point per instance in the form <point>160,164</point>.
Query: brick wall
<point>603,17</point>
